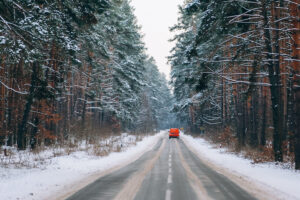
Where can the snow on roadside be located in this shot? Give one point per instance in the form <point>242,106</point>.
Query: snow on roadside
<point>37,183</point>
<point>285,181</point>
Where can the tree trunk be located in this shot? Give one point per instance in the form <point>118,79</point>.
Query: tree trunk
<point>295,13</point>
<point>23,125</point>
<point>83,112</point>
<point>33,139</point>
<point>264,122</point>
<point>274,78</point>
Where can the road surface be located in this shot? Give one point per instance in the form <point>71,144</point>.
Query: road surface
<point>169,171</point>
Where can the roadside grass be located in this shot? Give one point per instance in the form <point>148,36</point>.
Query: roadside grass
<point>262,154</point>
<point>41,156</point>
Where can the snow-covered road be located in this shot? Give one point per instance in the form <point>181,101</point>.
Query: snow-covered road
<point>64,175</point>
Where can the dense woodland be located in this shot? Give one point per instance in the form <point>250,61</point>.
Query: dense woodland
<point>75,69</point>
<point>78,69</point>
<point>235,70</point>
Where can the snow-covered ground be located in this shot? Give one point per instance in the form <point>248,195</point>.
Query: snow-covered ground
<point>56,173</point>
<point>285,182</point>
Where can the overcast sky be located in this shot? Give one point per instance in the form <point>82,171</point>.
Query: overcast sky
<point>155,17</point>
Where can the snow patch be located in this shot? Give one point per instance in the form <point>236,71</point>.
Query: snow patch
<point>285,181</point>
<point>63,171</point>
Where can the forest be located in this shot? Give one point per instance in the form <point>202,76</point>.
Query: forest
<point>88,111</point>
<point>76,69</point>
<point>236,73</point>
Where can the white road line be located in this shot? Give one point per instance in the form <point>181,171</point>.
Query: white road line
<point>170,170</point>
<point>168,191</point>
<point>168,194</point>
<point>169,178</point>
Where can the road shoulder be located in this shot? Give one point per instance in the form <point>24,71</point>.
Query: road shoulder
<point>256,189</point>
<point>72,188</point>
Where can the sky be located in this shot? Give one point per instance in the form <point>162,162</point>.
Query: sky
<point>155,17</point>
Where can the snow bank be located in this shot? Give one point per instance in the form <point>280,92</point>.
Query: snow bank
<point>61,171</point>
<point>285,181</point>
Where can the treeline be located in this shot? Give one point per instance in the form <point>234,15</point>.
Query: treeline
<point>75,69</point>
<point>236,66</point>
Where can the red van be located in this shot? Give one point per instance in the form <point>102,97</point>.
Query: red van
<point>174,132</point>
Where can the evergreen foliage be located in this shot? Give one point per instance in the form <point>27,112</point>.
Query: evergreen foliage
<point>233,68</point>
<point>74,69</point>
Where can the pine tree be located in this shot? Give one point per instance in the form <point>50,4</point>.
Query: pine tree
<point>240,55</point>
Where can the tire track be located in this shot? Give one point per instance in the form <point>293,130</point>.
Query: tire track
<point>195,182</point>
<point>129,191</point>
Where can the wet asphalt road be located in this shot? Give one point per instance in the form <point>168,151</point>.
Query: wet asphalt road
<point>176,174</point>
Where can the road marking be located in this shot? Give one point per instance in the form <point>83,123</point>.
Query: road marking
<point>170,178</point>
<point>168,191</point>
<point>168,194</point>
